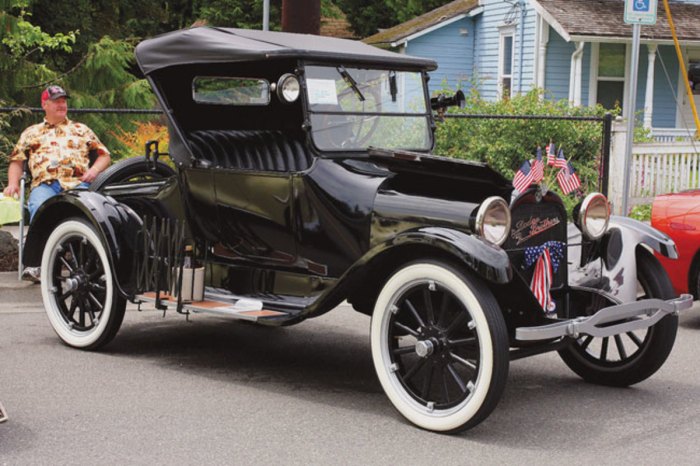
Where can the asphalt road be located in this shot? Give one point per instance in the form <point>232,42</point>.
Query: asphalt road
<point>213,391</point>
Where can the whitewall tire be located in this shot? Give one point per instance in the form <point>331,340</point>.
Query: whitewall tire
<point>77,286</point>
<point>439,346</point>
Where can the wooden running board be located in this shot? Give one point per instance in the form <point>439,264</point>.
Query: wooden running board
<point>242,308</point>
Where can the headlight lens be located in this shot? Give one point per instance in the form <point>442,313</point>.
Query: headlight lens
<point>288,88</point>
<point>493,220</point>
<point>593,216</point>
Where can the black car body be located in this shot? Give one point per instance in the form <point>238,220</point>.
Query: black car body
<point>304,178</point>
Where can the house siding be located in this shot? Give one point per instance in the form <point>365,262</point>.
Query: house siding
<point>486,48</point>
<point>453,52</point>
<point>558,67</point>
<point>664,102</point>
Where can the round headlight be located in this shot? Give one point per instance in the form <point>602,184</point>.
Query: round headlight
<point>493,220</point>
<point>288,88</point>
<point>593,216</point>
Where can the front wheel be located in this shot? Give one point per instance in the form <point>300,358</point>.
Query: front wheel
<point>78,288</point>
<point>440,346</point>
<point>631,357</point>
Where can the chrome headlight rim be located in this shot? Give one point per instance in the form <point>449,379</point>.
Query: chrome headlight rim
<point>283,92</point>
<point>490,203</point>
<point>591,200</point>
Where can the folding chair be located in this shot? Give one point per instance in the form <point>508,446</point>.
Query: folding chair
<point>26,177</point>
<point>23,205</point>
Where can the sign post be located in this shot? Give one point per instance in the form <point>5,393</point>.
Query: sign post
<point>637,13</point>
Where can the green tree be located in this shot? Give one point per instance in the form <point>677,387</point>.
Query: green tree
<point>366,17</point>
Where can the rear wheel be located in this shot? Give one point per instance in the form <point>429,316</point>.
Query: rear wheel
<point>440,346</point>
<point>77,287</point>
<point>628,358</point>
<point>135,169</point>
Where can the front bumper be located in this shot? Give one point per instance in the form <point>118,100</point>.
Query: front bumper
<point>609,321</point>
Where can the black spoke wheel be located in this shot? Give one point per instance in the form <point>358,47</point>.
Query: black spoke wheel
<point>440,346</point>
<point>628,358</point>
<point>78,288</point>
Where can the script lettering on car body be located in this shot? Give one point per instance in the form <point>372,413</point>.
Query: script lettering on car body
<point>526,229</point>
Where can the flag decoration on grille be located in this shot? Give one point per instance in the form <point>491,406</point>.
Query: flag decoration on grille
<point>551,154</point>
<point>523,177</point>
<point>568,179</point>
<point>538,167</point>
<point>546,258</point>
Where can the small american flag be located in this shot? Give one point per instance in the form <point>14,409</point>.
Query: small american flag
<point>523,177</point>
<point>538,167</point>
<point>560,162</point>
<point>542,282</point>
<point>568,179</point>
<point>551,154</point>
<point>546,258</point>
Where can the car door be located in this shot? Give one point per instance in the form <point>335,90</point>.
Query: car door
<point>254,216</point>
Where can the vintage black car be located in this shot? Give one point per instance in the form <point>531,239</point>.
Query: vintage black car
<point>303,178</point>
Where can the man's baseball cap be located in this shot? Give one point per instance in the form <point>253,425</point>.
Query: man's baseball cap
<point>53,93</point>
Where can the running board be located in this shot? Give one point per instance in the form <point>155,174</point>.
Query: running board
<point>240,308</point>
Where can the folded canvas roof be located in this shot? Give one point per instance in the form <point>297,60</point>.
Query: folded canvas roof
<point>227,45</point>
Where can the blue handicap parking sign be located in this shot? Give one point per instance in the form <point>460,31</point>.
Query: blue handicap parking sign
<point>641,5</point>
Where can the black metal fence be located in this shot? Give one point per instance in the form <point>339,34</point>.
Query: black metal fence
<point>606,129</point>
<point>605,122</point>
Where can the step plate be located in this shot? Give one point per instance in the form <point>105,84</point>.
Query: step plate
<point>245,309</point>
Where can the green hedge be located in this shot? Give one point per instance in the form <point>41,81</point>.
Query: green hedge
<point>504,143</point>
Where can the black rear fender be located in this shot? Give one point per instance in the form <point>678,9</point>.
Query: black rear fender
<point>116,224</point>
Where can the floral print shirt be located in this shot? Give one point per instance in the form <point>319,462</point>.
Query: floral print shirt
<point>57,152</point>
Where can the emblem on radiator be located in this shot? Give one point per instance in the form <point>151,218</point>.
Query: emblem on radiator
<point>526,229</point>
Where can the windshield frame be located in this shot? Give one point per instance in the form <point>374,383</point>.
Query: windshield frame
<point>308,112</point>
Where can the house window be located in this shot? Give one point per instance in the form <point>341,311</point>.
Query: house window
<point>505,64</point>
<point>611,75</point>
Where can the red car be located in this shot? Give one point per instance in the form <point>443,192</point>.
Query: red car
<point>678,215</point>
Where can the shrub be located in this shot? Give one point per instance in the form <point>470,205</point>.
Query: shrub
<point>505,143</point>
<point>135,141</point>
<point>641,212</point>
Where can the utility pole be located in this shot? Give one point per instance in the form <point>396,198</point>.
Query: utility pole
<point>637,13</point>
<point>303,16</point>
<point>266,15</point>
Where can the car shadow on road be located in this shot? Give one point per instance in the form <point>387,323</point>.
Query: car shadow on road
<point>332,365</point>
<point>311,360</point>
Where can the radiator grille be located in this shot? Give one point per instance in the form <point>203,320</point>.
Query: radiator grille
<point>533,224</point>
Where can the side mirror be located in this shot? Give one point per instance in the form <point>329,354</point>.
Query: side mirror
<point>441,102</point>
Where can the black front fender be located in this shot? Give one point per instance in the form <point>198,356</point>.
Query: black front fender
<point>116,224</point>
<point>485,259</point>
<point>361,283</point>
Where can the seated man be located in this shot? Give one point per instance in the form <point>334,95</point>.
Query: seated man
<point>57,151</point>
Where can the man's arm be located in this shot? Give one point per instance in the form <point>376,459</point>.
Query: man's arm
<point>14,173</point>
<point>101,163</point>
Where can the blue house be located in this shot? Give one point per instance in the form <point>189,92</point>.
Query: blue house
<point>579,50</point>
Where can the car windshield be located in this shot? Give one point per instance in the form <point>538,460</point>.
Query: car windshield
<point>352,109</point>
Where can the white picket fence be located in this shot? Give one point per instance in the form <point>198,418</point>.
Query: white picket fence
<point>672,134</point>
<point>659,168</point>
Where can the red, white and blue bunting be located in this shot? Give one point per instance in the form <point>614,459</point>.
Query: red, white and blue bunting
<point>546,258</point>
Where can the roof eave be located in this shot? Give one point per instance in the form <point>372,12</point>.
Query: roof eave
<point>428,30</point>
<point>626,39</point>
<point>551,20</point>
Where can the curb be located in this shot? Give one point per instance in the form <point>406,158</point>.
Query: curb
<point>8,280</point>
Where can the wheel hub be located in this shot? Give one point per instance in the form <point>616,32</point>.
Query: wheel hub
<point>424,348</point>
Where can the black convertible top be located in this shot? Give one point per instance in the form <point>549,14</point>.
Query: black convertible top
<point>226,45</point>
